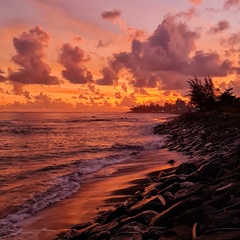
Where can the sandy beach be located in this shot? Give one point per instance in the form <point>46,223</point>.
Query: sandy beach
<point>98,196</point>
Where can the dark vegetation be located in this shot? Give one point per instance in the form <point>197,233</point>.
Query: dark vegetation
<point>179,107</point>
<point>204,97</point>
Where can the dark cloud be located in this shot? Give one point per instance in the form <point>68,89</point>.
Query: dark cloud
<point>111,15</point>
<point>109,76</point>
<point>167,49</point>
<point>165,59</point>
<point>203,64</point>
<point>30,56</point>
<point>81,96</point>
<point>231,3</point>
<point>220,27</point>
<point>73,59</point>
<point>102,44</point>
<point>2,77</point>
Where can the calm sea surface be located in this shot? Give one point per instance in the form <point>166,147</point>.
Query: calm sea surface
<point>44,157</point>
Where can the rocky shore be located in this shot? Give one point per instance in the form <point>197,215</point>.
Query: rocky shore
<point>199,199</point>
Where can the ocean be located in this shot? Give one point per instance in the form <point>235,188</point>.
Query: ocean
<point>46,157</point>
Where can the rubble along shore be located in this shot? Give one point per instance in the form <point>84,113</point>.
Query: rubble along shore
<point>199,199</point>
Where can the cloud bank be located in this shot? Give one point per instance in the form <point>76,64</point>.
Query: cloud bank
<point>166,55</point>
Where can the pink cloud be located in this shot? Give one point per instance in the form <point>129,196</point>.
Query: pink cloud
<point>73,59</point>
<point>190,13</point>
<point>231,3</point>
<point>220,27</point>
<point>30,47</point>
<point>232,40</point>
<point>111,15</point>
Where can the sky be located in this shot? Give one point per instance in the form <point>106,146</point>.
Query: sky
<point>110,55</point>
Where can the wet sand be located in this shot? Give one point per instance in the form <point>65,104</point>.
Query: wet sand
<point>111,186</point>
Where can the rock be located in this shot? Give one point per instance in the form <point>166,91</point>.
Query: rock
<point>152,189</point>
<point>167,217</point>
<point>162,174</point>
<point>223,219</point>
<point>194,215</point>
<point>101,236</point>
<point>169,198</point>
<point>113,214</point>
<point>180,232</point>
<point>171,162</point>
<point>154,232</point>
<point>198,177</point>
<point>133,230</point>
<point>82,234</point>
<point>105,228</point>
<point>208,145</point>
<point>187,192</point>
<point>186,168</point>
<point>220,235</point>
<point>171,180</point>
<point>211,168</point>
<point>156,203</point>
<point>144,217</point>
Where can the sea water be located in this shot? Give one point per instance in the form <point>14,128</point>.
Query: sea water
<point>45,157</point>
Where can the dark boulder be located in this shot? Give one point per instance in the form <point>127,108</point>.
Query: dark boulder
<point>168,217</point>
<point>156,203</point>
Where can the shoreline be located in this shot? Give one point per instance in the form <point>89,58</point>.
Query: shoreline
<point>199,199</point>
<point>97,196</point>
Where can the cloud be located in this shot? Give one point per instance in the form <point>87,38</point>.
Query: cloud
<point>220,27</point>
<point>102,44</point>
<point>81,96</point>
<point>167,49</point>
<point>73,59</point>
<point>231,3</point>
<point>2,77</point>
<point>111,15</point>
<point>190,13</point>
<point>30,47</point>
<point>118,95</point>
<point>196,1</point>
<point>232,40</point>
<point>165,59</point>
<point>211,64</point>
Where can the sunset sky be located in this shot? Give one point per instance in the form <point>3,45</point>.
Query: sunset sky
<point>109,55</point>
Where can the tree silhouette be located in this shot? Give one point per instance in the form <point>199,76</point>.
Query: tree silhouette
<point>202,95</point>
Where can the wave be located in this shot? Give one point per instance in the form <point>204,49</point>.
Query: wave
<point>62,187</point>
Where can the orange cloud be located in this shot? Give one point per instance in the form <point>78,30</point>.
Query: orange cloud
<point>196,1</point>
